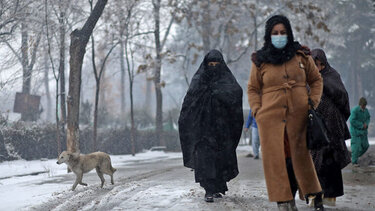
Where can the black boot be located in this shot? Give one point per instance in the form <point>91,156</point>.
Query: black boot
<point>209,197</point>
<point>217,195</point>
<point>318,200</point>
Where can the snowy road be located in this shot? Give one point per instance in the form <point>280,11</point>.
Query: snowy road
<point>161,183</point>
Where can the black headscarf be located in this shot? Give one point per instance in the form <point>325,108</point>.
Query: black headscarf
<point>334,106</point>
<point>333,87</point>
<point>212,113</point>
<point>268,53</point>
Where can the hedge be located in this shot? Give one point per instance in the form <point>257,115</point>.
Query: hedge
<point>31,142</point>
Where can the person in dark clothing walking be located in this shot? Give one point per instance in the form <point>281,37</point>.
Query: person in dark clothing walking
<point>334,106</point>
<point>210,125</point>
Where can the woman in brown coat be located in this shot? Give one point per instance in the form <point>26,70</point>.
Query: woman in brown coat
<point>278,98</point>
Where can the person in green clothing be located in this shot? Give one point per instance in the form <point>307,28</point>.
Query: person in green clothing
<point>359,121</point>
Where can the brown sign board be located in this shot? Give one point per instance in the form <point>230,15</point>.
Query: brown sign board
<point>26,103</point>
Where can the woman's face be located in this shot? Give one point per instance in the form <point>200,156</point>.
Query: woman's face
<point>319,65</point>
<point>278,29</point>
<point>213,64</point>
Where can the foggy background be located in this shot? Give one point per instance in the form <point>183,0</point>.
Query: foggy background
<point>34,33</point>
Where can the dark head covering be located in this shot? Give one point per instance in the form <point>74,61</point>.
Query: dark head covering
<point>211,115</point>
<point>318,54</point>
<point>274,20</point>
<point>362,101</point>
<point>268,53</point>
<point>333,86</point>
<point>214,56</point>
<point>213,71</point>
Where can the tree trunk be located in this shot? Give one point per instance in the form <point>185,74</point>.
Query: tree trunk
<point>79,40</point>
<point>102,92</point>
<point>206,27</point>
<point>27,66</point>
<point>26,76</point>
<point>58,129</point>
<point>131,80</point>
<point>97,92</point>
<point>62,71</point>
<point>132,130</point>
<point>159,99</point>
<point>147,104</point>
<point>96,115</point>
<point>122,83</point>
<point>46,84</point>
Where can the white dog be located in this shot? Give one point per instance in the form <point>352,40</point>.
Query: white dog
<point>81,164</point>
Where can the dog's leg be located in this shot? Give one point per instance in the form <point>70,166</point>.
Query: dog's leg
<point>78,180</point>
<point>112,179</point>
<point>75,185</point>
<point>100,174</point>
<point>80,176</point>
<point>84,184</point>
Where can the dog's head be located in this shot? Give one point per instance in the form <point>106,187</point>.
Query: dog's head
<point>65,156</point>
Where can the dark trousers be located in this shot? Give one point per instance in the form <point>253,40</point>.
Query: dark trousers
<point>289,166</point>
<point>291,176</point>
<point>330,176</point>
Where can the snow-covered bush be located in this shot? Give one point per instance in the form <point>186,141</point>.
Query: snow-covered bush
<point>34,141</point>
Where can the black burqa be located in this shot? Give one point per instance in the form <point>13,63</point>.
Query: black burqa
<point>334,106</point>
<point>210,124</point>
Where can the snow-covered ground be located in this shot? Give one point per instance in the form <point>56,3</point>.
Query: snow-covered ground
<point>26,183</point>
<point>147,181</point>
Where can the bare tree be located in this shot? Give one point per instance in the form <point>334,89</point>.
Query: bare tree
<point>60,18</point>
<point>130,15</point>
<point>79,40</point>
<point>27,54</point>
<point>62,32</point>
<point>131,73</point>
<point>46,82</point>
<point>56,19</point>
<point>98,75</point>
<point>57,77</point>
<point>11,12</point>
<point>159,44</point>
<point>124,33</point>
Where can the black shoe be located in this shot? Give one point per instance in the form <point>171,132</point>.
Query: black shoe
<point>256,157</point>
<point>208,197</point>
<point>217,195</point>
<point>318,200</point>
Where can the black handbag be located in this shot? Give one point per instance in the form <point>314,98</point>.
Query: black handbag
<point>316,130</point>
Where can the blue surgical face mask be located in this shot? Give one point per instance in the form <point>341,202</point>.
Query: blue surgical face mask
<point>279,41</point>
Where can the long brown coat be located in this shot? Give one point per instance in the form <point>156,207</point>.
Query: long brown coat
<point>278,98</point>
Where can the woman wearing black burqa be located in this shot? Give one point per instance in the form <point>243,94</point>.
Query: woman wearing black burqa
<point>334,106</point>
<point>210,125</point>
